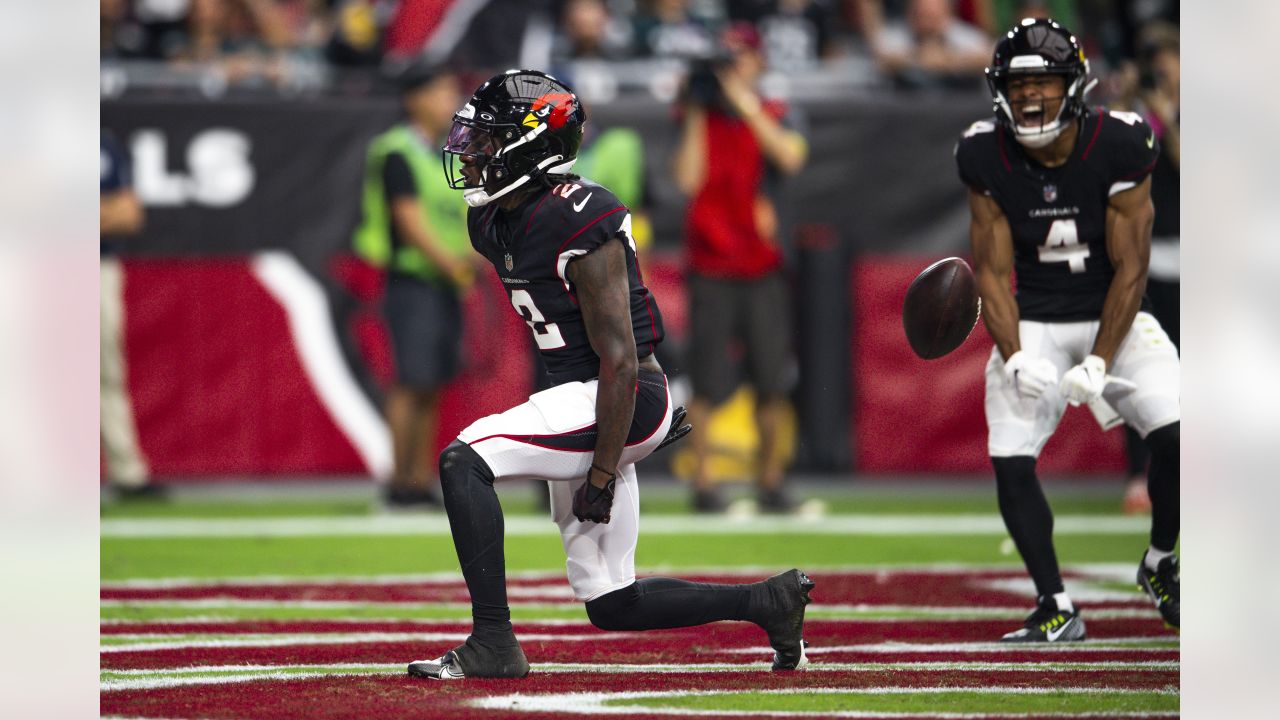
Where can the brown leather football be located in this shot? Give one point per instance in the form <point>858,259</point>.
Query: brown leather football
<point>942,308</point>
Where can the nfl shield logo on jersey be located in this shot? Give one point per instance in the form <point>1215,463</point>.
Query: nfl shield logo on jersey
<point>1050,193</point>
<point>506,260</point>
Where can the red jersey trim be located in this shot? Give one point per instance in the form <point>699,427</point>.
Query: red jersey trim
<point>1097,129</point>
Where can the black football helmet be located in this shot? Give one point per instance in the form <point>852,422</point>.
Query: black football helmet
<point>519,126</point>
<point>1039,47</point>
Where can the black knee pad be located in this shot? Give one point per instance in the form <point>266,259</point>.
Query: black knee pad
<point>609,611</point>
<point>459,462</point>
<point>1166,441</point>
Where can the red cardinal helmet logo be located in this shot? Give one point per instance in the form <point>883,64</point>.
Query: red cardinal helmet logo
<point>555,107</point>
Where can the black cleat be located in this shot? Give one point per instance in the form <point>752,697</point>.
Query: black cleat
<point>1048,624</point>
<point>1162,587</point>
<point>782,602</point>
<point>471,659</point>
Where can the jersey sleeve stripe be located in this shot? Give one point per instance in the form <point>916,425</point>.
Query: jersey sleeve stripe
<point>563,258</point>
<point>562,265</point>
<point>1003,158</point>
<point>1121,187</point>
<point>1096,130</point>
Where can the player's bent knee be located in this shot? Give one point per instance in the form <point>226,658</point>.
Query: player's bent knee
<point>459,462</point>
<point>610,611</point>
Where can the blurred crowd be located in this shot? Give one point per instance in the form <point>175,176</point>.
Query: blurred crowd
<point>332,44</point>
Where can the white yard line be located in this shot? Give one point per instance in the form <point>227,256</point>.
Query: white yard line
<point>874,525</point>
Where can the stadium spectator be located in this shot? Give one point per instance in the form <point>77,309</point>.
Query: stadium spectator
<point>355,37</point>
<point>415,226</point>
<point>120,215</point>
<point>669,28</point>
<point>734,148</point>
<point>585,33</point>
<point>929,48</point>
<point>796,34</point>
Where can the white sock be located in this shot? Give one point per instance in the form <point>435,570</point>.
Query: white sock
<point>1153,558</point>
<point>1064,602</point>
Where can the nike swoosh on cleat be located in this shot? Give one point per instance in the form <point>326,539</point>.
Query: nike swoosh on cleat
<point>1151,141</point>
<point>577,207</point>
<point>1055,635</point>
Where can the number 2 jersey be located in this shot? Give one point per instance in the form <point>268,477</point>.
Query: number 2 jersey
<point>531,247</point>
<point>1058,215</point>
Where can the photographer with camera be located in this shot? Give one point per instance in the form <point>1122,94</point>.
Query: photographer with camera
<point>734,150</point>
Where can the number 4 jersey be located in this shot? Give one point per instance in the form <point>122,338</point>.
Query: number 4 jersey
<point>1058,215</point>
<point>531,247</point>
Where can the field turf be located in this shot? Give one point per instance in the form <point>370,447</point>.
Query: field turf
<point>307,601</point>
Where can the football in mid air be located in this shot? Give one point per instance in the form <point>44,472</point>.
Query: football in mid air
<point>942,308</point>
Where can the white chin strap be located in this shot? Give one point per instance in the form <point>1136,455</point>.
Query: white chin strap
<point>479,197</point>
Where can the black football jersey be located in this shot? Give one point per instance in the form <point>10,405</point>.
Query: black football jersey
<point>1058,215</point>
<point>531,247</point>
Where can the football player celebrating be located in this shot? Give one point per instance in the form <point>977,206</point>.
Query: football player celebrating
<point>1061,194</point>
<point>562,247</point>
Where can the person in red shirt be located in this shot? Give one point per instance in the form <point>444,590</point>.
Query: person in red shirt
<point>734,148</point>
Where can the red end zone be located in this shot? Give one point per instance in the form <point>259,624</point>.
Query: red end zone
<point>958,653</point>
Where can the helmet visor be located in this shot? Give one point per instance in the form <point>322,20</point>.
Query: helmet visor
<point>467,151</point>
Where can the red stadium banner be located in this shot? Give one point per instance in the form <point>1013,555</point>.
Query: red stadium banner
<point>926,416</point>
<point>235,369</point>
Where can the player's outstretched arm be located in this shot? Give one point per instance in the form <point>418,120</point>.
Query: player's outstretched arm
<point>600,279</point>
<point>992,243</point>
<point>1129,218</point>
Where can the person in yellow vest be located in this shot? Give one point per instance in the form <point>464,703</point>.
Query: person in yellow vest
<point>415,227</point>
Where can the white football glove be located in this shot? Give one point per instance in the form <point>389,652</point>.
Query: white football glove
<point>1030,376</point>
<point>1084,382</point>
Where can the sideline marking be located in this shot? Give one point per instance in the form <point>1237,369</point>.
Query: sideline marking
<point>855,524</point>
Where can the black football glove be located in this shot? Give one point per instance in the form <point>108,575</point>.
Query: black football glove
<point>594,504</point>
<point>677,430</point>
